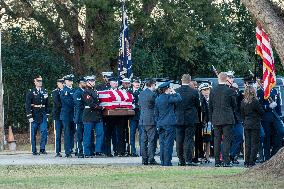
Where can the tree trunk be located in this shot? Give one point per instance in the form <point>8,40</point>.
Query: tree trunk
<point>263,11</point>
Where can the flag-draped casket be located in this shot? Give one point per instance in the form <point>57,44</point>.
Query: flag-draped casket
<point>116,102</point>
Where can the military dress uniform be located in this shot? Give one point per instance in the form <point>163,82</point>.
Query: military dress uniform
<point>134,121</point>
<point>166,122</point>
<point>58,126</point>
<point>238,129</point>
<point>123,130</point>
<point>270,122</point>
<point>78,112</point>
<point>92,118</point>
<point>67,117</point>
<point>37,108</point>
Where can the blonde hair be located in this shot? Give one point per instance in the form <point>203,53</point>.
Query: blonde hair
<point>186,78</point>
<point>249,94</point>
<point>222,77</point>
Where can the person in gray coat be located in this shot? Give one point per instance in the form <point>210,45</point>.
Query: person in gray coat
<point>222,103</point>
<point>147,122</point>
<point>187,116</point>
<point>166,121</point>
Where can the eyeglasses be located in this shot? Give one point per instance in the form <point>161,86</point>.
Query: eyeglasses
<point>39,81</point>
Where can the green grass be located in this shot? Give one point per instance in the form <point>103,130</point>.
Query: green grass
<point>87,176</point>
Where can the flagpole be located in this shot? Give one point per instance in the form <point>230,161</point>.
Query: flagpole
<point>1,101</point>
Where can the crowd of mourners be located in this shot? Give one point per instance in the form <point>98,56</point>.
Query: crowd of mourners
<point>204,121</point>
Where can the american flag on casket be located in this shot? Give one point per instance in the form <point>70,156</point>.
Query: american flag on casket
<point>113,99</point>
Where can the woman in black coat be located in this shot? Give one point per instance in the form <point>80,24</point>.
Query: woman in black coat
<point>251,111</point>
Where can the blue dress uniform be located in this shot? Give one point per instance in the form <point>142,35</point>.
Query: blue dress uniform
<point>92,117</point>
<point>37,108</point>
<point>67,116</point>
<point>78,112</point>
<point>269,123</point>
<point>56,117</point>
<point>166,121</point>
<point>134,121</point>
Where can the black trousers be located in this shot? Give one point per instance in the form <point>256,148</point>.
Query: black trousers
<point>148,143</point>
<point>199,153</point>
<point>185,142</point>
<point>226,131</point>
<point>252,139</point>
<point>115,132</point>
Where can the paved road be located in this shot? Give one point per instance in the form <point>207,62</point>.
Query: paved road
<point>24,158</point>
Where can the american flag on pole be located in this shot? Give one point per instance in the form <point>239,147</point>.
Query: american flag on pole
<point>124,60</point>
<point>264,50</point>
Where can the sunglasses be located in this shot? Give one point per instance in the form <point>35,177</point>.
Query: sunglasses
<point>39,81</point>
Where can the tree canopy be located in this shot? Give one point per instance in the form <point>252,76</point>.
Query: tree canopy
<point>168,38</point>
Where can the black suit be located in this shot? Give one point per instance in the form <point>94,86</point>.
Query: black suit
<point>187,116</point>
<point>222,103</point>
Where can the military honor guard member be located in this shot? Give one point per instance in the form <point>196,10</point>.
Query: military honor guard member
<point>78,112</point>
<point>135,90</point>
<point>105,85</point>
<point>124,121</point>
<point>58,126</point>
<point>166,121</point>
<point>67,114</point>
<point>92,119</point>
<point>37,109</point>
<point>270,122</point>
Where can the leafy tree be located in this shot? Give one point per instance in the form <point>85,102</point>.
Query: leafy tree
<point>25,54</point>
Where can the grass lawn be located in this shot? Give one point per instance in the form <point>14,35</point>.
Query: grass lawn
<point>87,176</point>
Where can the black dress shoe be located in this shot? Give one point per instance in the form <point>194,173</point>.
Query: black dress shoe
<point>181,163</point>
<point>99,154</point>
<point>68,155</point>
<point>191,164</point>
<point>227,165</point>
<point>218,164</point>
<point>153,163</point>
<point>109,155</point>
<point>43,152</point>
<point>58,155</point>
<point>89,156</point>
<point>144,161</point>
<point>80,155</point>
<point>235,161</point>
<point>134,155</point>
<point>36,154</point>
<point>251,164</point>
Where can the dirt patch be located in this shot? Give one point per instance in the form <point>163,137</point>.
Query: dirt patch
<point>274,166</point>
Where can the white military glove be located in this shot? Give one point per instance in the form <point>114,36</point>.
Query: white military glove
<point>31,120</point>
<point>272,105</point>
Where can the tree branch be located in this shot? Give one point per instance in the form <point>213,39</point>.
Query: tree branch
<point>263,11</point>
